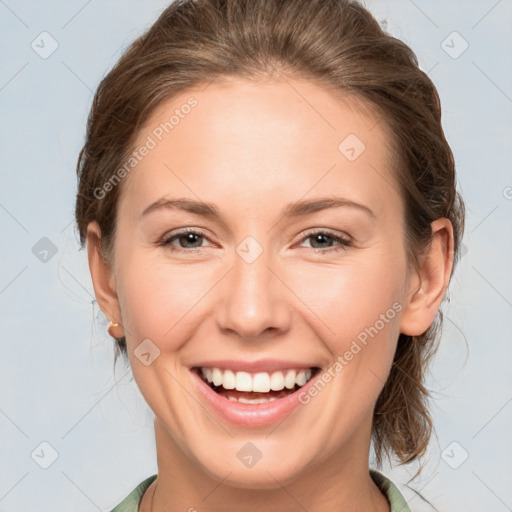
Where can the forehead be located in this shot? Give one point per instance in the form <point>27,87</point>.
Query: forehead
<point>246,106</point>
<point>259,136</point>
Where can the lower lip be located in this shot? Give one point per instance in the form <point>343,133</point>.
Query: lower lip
<point>251,415</point>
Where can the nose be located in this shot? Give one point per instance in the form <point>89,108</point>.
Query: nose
<point>254,302</point>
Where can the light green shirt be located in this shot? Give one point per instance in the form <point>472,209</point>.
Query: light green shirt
<point>388,488</point>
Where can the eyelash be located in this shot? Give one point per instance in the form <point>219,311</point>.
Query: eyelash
<point>343,243</point>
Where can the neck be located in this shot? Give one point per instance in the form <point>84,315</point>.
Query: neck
<point>343,483</point>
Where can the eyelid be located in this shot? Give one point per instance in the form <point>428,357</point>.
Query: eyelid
<point>326,231</point>
<point>343,240</point>
<point>187,229</point>
<point>164,240</point>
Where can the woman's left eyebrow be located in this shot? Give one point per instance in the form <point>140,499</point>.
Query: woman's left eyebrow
<point>299,208</point>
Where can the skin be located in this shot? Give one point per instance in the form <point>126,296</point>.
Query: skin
<point>251,149</point>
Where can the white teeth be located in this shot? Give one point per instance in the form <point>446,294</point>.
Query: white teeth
<point>217,377</point>
<point>289,380</point>
<point>276,381</point>
<point>243,381</point>
<point>301,379</point>
<point>261,382</point>
<point>255,401</point>
<point>228,380</point>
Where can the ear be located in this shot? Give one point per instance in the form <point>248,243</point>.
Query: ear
<point>428,286</point>
<point>103,278</point>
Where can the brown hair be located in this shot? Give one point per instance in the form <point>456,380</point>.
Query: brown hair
<point>337,44</point>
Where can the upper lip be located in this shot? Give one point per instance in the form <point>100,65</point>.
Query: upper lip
<point>261,365</point>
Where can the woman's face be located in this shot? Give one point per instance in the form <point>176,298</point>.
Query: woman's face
<point>265,281</point>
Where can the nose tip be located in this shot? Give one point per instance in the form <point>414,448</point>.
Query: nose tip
<point>253,301</point>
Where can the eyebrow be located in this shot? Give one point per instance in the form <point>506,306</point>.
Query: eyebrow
<point>294,209</point>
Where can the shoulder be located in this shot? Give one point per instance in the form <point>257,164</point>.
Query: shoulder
<point>131,502</point>
<point>390,490</point>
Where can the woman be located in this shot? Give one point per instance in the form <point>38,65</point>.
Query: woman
<point>272,222</point>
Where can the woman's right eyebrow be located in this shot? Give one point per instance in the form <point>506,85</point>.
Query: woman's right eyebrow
<point>189,205</point>
<point>299,208</point>
<point>202,208</point>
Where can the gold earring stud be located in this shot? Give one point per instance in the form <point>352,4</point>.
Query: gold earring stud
<point>111,327</point>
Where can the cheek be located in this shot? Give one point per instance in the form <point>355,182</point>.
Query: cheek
<point>158,299</point>
<point>348,295</point>
<point>355,307</point>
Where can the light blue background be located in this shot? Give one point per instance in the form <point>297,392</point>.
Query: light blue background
<point>58,383</point>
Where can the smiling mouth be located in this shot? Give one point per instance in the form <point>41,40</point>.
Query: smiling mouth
<point>257,388</point>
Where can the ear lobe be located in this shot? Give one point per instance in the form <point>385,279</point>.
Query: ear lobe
<point>102,275</point>
<point>428,287</point>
